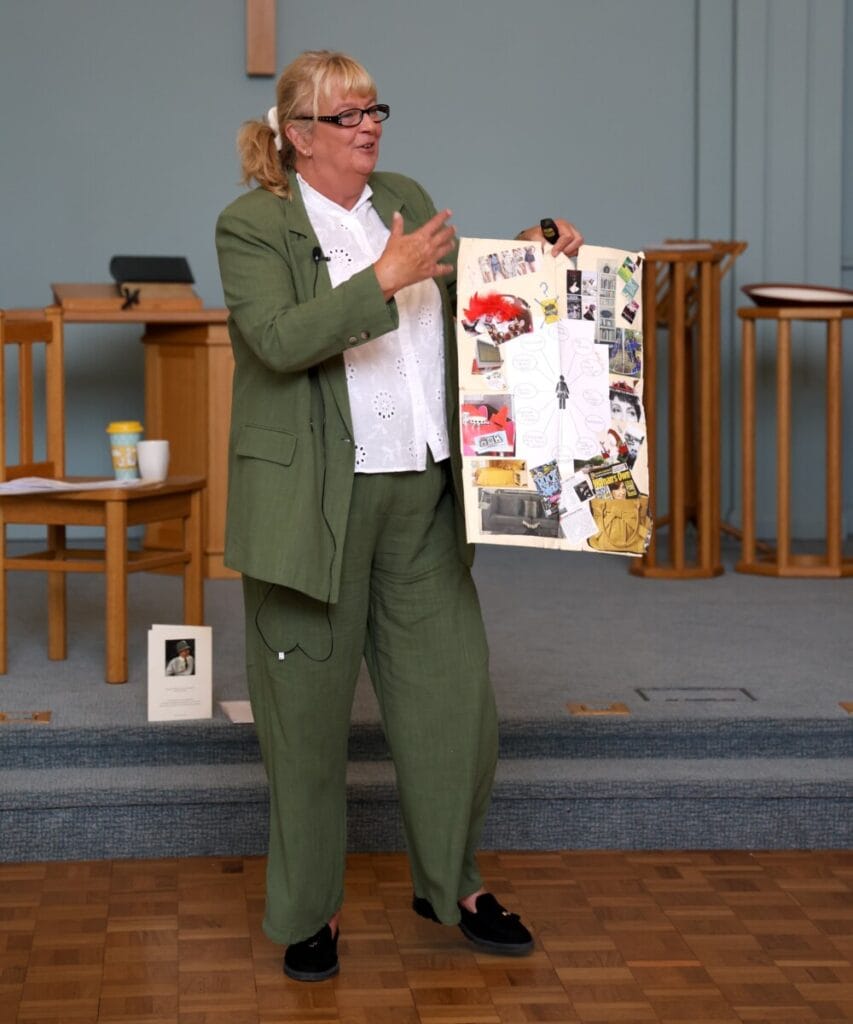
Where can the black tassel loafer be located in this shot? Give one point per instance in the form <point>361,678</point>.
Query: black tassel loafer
<point>492,929</point>
<point>313,959</point>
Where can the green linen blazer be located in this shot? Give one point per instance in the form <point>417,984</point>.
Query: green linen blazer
<point>291,454</point>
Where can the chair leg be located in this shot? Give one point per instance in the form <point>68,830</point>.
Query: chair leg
<point>57,630</point>
<point>116,591</point>
<point>193,569</point>
<point>2,596</point>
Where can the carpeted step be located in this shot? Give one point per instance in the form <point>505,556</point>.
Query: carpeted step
<point>646,803</point>
<point>220,741</point>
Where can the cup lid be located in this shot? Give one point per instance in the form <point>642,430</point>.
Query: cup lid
<point>125,427</point>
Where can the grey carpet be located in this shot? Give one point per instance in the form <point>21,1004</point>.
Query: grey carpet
<point>562,628</point>
<point>735,737</point>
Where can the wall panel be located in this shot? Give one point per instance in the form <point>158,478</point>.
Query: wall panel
<point>716,118</point>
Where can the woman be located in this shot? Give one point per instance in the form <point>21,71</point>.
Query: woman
<point>344,508</point>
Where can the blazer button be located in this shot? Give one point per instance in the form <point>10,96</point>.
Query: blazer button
<point>364,335</point>
<point>352,340</point>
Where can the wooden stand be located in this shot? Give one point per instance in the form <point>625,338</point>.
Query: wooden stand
<point>188,371</point>
<point>681,290</point>
<point>780,561</point>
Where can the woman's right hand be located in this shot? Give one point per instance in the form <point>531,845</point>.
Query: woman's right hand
<point>415,257</point>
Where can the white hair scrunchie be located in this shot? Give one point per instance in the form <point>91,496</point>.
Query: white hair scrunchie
<point>272,121</point>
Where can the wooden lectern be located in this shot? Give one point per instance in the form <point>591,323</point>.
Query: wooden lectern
<point>681,292</point>
<point>188,369</point>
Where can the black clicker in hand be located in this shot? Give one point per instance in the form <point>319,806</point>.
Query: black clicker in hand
<point>549,230</point>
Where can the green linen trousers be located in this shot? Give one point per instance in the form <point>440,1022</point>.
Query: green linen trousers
<point>409,606</point>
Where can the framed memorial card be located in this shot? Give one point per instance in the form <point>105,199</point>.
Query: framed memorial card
<point>551,397</point>
<point>180,673</point>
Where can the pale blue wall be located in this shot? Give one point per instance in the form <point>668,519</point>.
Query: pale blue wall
<point>640,120</point>
<point>787,201</point>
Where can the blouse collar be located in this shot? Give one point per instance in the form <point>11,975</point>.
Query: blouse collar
<point>317,201</point>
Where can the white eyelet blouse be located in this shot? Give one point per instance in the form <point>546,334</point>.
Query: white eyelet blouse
<point>396,381</point>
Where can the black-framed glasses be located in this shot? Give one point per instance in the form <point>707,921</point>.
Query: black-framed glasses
<point>351,117</point>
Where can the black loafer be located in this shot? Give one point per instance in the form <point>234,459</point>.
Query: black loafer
<point>495,929</point>
<point>313,959</point>
<point>492,929</point>
<point>423,908</point>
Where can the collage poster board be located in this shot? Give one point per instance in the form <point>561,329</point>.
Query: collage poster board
<point>551,397</point>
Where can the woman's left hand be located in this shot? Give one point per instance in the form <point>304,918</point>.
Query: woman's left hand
<point>568,243</point>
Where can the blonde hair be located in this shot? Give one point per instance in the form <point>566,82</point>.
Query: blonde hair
<point>303,85</point>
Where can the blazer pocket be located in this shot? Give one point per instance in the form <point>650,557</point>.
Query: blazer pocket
<point>266,443</point>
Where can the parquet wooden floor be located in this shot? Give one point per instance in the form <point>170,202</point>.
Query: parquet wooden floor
<point>680,938</point>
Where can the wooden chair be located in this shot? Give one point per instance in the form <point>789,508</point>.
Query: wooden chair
<point>112,508</point>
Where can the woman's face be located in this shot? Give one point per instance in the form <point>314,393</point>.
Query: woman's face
<point>339,155</point>
<point>622,410</point>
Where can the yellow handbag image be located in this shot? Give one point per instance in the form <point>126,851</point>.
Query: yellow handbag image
<point>623,524</point>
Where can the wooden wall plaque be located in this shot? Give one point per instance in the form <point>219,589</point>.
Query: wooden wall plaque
<point>260,37</point>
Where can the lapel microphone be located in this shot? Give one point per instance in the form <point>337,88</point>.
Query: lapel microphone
<point>318,257</point>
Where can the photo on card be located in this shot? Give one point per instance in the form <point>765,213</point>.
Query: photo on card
<point>498,473</point>
<point>630,288</point>
<point>628,268</point>
<point>626,352</point>
<point>626,411</point>
<point>180,673</point>
<point>487,425</point>
<point>547,481</point>
<point>614,447</point>
<point>633,443</point>
<point>589,284</point>
<point>487,356</point>
<point>623,526</point>
<point>494,267</point>
<point>515,514</point>
<point>486,273</point>
<point>497,316</point>
<point>614,481</point>
<point>606,284</point>
<point>550,309</point>
<point>630,311</point>
<point>508,263</point>
<point>582,487</point>
<point>530,259</point>
<point>180,656</point>
<point>604,322</point>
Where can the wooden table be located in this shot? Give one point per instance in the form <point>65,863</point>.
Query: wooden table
<point>780,561</point>
<point>681,291</point>
<point>188,370</point>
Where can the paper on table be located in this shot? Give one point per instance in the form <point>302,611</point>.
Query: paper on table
<point>46,484</point>
<point>237,710</point>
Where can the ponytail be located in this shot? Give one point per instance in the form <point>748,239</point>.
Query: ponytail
<point>260,160</point>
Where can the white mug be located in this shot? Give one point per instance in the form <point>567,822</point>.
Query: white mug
<point>152,457</point>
